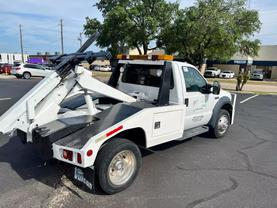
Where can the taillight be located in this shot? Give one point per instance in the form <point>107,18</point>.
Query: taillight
<point>68,155</point>
<point>89,153</point>
<point>79,158</point>
<point>17,68</point>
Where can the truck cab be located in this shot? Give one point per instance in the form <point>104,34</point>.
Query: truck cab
<point>188,88</point>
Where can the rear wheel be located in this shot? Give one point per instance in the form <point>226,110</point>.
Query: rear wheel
<point>117,165</point>
<point>222,124</point>
<point>26,75</point>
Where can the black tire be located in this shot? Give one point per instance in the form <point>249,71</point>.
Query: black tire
<point>109,153</point>
<point>27,75</point>
<point>217,131</point>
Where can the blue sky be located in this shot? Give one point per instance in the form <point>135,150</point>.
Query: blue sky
<point>40,23</point>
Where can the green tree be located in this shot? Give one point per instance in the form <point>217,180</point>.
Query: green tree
<point>214,30</point>
<point>131,23</point>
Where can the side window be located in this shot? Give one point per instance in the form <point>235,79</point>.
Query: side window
<point>27,66</point>
<point>38,67</point>
<point>194,81</point>
<point>32,66</point>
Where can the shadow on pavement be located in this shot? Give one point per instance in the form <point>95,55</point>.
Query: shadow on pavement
<point>24,160</point>
<point>26,163</point>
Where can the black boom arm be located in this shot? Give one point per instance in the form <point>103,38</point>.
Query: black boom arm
<point>65,63</point>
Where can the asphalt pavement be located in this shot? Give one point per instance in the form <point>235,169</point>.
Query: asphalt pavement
<point>239,170</point>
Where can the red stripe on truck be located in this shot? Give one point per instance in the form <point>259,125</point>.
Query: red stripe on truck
<point>114,131</point>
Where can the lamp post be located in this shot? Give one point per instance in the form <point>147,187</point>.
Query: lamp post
<point>21,43</point>
<point>80,38</point>
<point>61,25</point>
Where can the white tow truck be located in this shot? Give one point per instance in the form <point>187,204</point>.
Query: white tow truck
<point>149,100</point>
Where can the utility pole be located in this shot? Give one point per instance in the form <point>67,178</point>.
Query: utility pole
<point>80,38</point>
<point>61,24</point>
<point>21,43</point>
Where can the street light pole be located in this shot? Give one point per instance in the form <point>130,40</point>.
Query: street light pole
<point>21,43</point>
<point>80,38</point>
<point>61,24</point>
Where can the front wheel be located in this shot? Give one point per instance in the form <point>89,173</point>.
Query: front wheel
<point>222,124</point>
<point>117,165</point>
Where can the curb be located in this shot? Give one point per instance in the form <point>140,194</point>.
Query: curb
<point>7,77</point>
<point>250,92</point>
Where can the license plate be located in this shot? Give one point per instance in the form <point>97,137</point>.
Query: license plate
<point>80,176</point>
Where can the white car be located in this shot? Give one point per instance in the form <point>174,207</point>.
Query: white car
<point>227,74</point>
<point>105,68</point>
<point>27,71</point>
<point>212,72</point>
<point>257,75</point>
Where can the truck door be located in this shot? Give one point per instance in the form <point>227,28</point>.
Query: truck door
<point>198,103</point>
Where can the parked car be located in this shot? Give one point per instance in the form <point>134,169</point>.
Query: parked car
<point>257,75</point>
<point>30,70</point>
<point>227,74</point>
<point>212,72</point>
<point>5,68</point>
<point>94,67</point>
<point>105,68</point>
<point>1,65</point>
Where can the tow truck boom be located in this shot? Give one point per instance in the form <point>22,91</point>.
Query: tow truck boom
<point>42,103</point>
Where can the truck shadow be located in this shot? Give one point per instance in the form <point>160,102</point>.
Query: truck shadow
<point>24,160</point>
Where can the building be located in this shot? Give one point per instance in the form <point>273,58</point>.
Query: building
<point>266,61</point>
<point>10,58</point>
<point>39,59</point>
<point>149,52</point>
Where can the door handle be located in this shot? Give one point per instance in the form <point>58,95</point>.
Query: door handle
<point>186,102</point>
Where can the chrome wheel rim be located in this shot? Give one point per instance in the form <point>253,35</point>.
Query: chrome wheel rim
<point>27,76</point>
<point>223,124</point>
<point>122,168</point>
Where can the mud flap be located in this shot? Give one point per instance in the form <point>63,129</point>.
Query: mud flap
<point>84,178</point>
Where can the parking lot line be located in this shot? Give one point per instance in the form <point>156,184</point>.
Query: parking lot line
<point>5,99</point>
<point>247,99</point>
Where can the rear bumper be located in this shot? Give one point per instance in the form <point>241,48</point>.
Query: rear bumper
<point>226,76</point>
<point>15,73</point>
<point>256,78</point>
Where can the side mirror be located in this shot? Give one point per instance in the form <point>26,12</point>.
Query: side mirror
<point>216,88</point>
